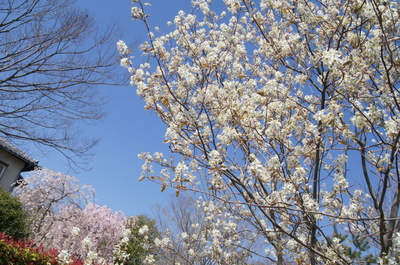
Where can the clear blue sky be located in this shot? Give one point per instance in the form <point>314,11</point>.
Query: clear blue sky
<point>127,128</point>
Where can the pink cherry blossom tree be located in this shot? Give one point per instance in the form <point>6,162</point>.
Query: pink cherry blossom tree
<point>45,193</point>
<point>290,108</point>
<point>95,229</point>
<point>62,215</point>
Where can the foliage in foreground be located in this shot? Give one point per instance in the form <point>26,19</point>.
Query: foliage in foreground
<point>27,253</point>
<point>290,109</point>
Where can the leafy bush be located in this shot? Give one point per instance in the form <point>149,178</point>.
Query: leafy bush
<point>12,215</point>
<point>24,252</point>
<point>27,253</point>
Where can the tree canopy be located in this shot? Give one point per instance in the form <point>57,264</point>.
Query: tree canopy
<point>62,216</point>
<point>51,57</point>
<point>13,217</point>
<point>290,108</point>
<point>140,246</point>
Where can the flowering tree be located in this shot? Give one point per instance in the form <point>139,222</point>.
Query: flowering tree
<point>90,234</point>
<point>290,108</point>
<point>63,216</point>
<point>45,193</point>
<point>189,229</point>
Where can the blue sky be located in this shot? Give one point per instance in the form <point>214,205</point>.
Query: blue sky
<point>127,128</point>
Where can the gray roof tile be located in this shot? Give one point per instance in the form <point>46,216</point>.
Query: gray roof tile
<point>30,162</point>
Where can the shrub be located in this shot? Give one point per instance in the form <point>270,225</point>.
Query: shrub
<point>27,253</point>
<point>24,252</point>
<point>12,215</point>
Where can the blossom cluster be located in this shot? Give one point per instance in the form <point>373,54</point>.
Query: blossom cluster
<point>290,107</point>
<point>95,229</point>
<point>195,231</point>
<point>62,216</point>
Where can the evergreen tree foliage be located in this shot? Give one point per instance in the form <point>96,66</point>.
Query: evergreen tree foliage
<point>12,215</point>
<point>143,233</point>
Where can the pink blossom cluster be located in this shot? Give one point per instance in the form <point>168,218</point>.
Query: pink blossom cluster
<point>63,216</point>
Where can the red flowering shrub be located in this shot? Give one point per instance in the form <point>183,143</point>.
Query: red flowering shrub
<point>27,253</point>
